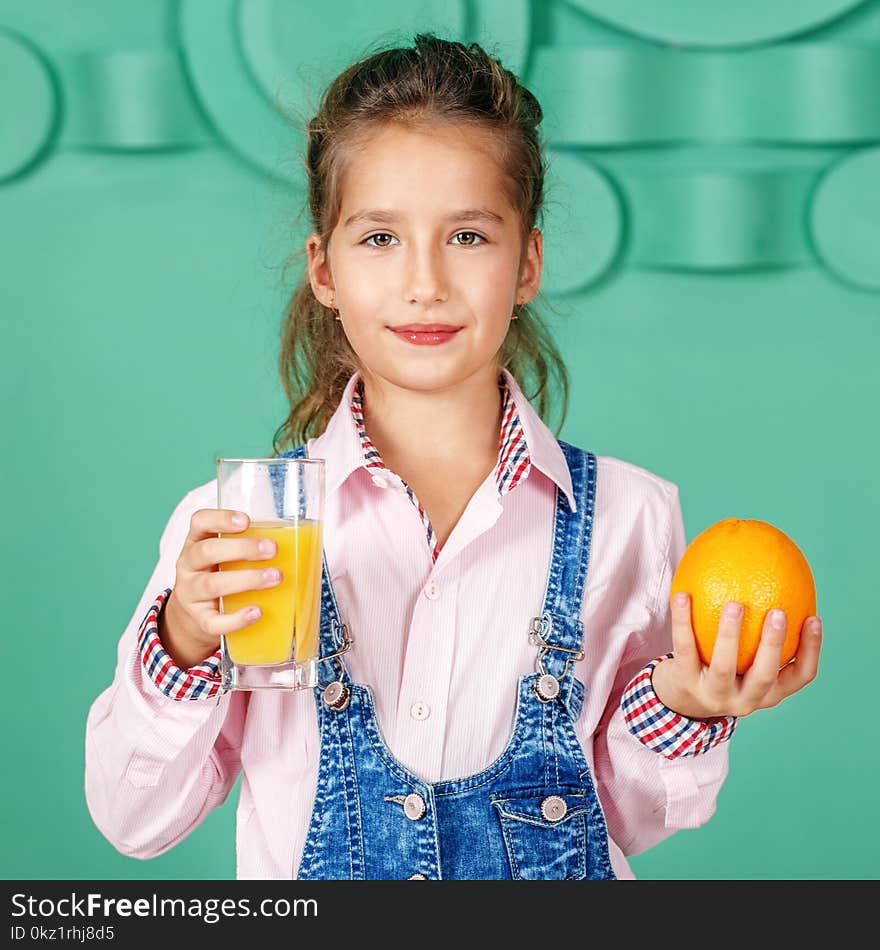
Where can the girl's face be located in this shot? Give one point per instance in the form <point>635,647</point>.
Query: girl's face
<point>425,235</point>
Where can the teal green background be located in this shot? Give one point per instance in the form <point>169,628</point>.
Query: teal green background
<point>712,275</point>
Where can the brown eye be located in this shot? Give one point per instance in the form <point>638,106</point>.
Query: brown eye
<point>380,235</point>
<point>474,238</point>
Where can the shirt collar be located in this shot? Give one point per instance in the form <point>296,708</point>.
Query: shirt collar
<point>344,448</point>
<point>544,450</point>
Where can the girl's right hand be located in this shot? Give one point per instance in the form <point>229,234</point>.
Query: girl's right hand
<point>191,624</point>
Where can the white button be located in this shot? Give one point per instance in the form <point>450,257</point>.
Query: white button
<point>432,590</point>
<point>554,808</point>
<point>420,710</point>
<point>380,481</point>
<point>417,877</point>
<point>414,806</point>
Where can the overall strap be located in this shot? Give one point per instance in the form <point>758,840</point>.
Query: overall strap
<point>558,632</point>
<point>277,476</point>
<point>334,637</point>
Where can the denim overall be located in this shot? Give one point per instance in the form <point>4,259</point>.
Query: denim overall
<point>532,814</point>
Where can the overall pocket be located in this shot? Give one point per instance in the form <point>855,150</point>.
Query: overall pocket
<point>545,833</point>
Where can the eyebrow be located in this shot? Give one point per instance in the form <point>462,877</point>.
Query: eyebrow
<point>381,216</point>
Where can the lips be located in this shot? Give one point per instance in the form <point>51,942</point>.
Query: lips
<point>425,334</point>
<point>426,328</point>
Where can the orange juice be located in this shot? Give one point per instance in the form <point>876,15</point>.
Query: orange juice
<point>291,611</point>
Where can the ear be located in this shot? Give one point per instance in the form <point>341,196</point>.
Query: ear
<point>320,276</point>
<point>531,267</point>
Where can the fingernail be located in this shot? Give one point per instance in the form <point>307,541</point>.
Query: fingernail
<point>267,546</point>
<point>272,575</point>
<point>254,613</point>
<point>680,599</point>
<point>777,619</point>
<point>814,625</point>
<point>733,610</point>
<point>239,521</point>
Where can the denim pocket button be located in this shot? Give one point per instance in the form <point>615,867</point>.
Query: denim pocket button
<point>417,877</point>
<point>545,835</point>
<point>553,808</point>
<point>414,806</point>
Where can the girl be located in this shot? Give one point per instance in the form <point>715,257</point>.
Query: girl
<point>511,707</point>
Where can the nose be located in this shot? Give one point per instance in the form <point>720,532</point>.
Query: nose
<point>425,278</point>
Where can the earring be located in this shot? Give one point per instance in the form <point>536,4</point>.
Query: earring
<point>332,301</point>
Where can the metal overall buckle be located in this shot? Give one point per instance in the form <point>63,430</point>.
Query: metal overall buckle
<point>336,695</point>
<point>547,685</point>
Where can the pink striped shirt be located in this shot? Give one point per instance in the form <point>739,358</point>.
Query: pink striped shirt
<point>442,657</point>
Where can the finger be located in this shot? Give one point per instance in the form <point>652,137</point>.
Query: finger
<point>205,554</point>
<point>208,522</point>
<point>722,668</point>
<point>684,644</point>
<point>763,674</point>
<point>805,666</point>
<point>213,584</point>
<point>218,625</point>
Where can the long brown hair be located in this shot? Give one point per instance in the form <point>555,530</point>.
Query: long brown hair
<point>434,81</point>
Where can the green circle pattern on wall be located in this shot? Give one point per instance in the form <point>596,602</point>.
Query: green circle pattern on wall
<point>845,218</point>
<point>258,67</point>
<point>275,41</point>
<point>699,23</point>
<point>583,224</point>
<point>27,128</point>
<point>245,58</point>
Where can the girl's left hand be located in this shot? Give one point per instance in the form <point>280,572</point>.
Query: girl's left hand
<point>684,684</point>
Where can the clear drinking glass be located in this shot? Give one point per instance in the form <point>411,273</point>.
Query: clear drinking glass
<point>284,498</point>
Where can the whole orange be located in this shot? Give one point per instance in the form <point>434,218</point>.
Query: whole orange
<point>754,563</point>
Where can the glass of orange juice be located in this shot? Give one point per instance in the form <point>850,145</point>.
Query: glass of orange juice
<point>284,499</point>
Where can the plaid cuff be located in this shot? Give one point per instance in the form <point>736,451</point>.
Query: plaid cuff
<point>665,731</point>
<point>199,682</point>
